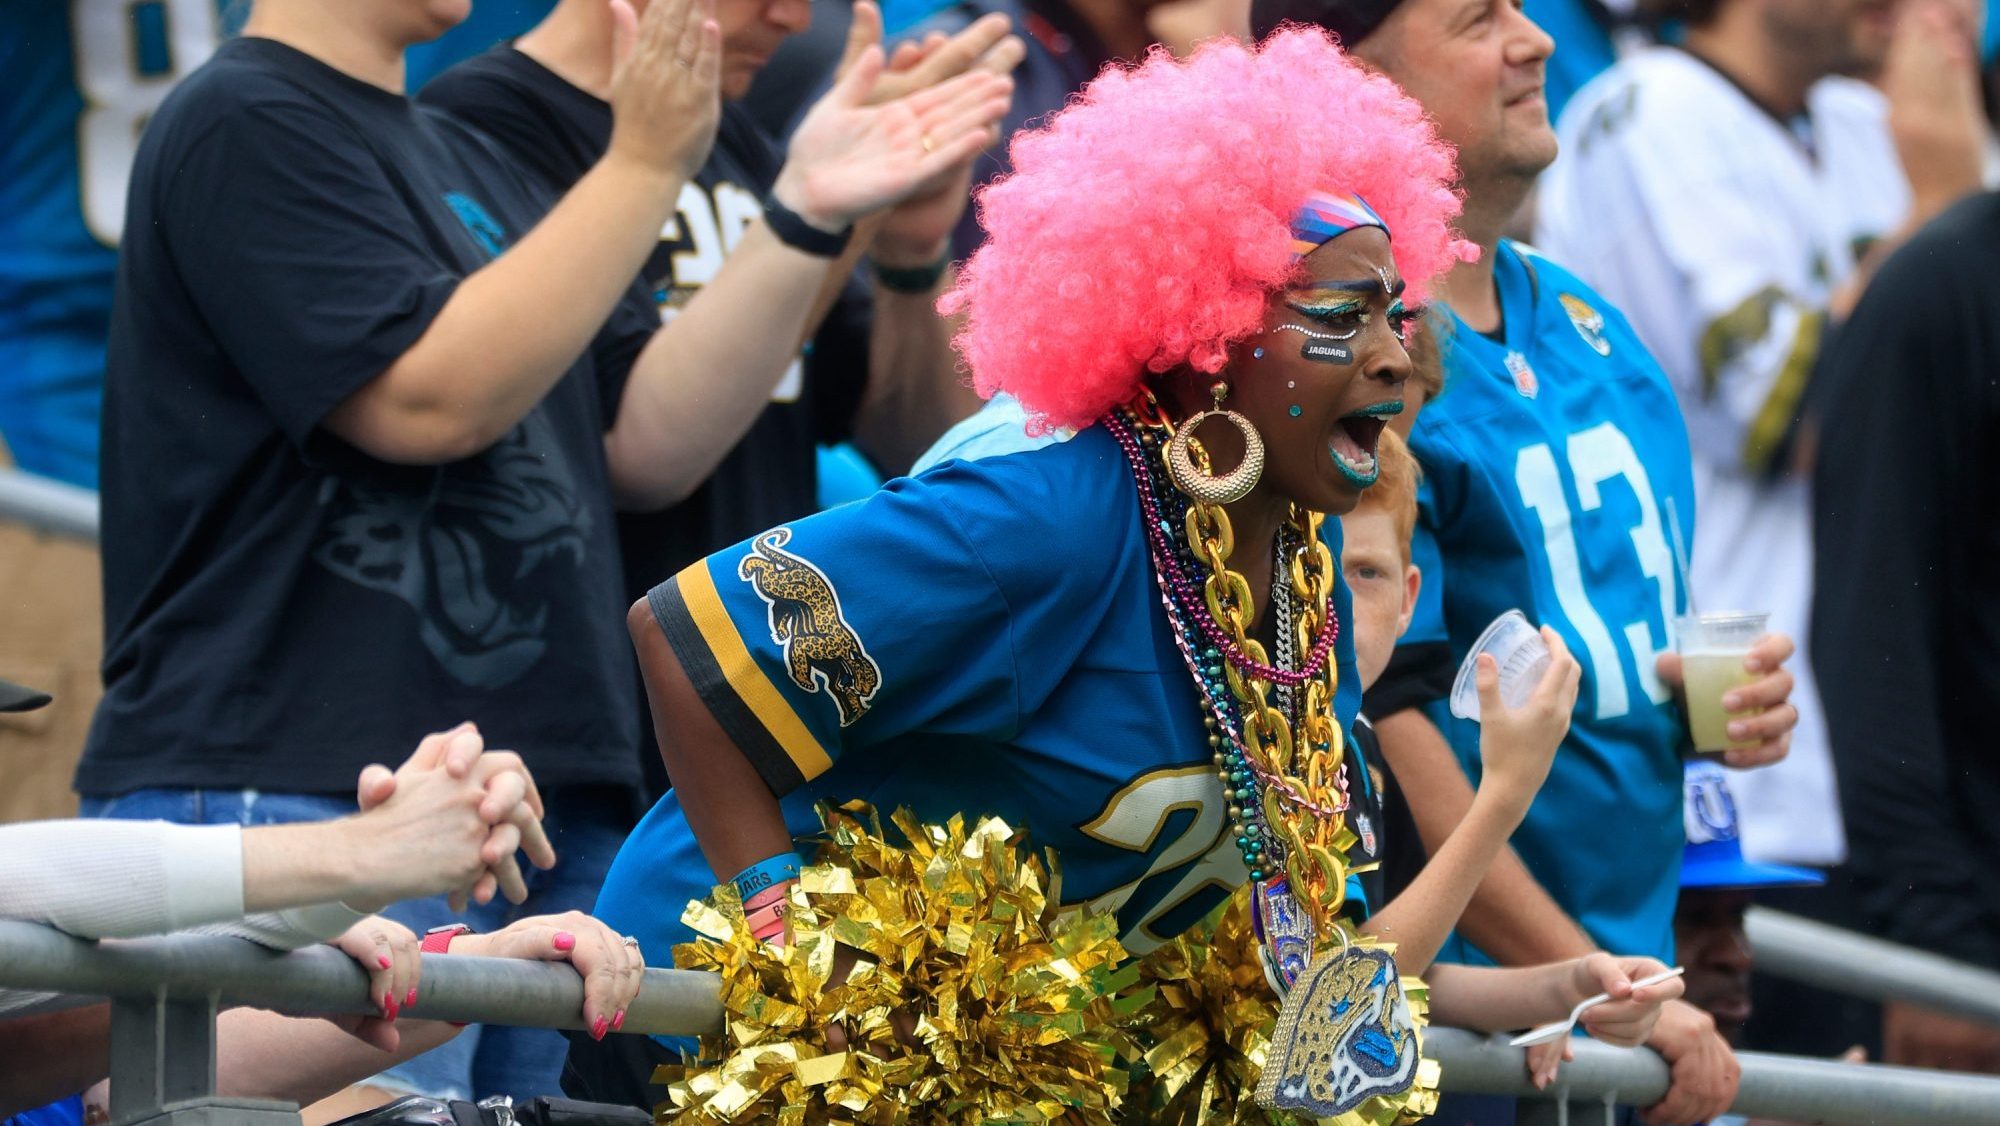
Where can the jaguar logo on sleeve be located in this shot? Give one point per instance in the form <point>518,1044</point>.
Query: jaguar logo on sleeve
<point>822,652</point>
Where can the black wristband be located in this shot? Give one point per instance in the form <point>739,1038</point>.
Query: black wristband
<point>917,280</point>
<point>800,235</point>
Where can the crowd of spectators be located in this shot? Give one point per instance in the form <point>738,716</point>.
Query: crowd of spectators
<point>407,353</point>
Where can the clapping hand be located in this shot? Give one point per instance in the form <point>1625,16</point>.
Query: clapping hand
<point>666,82</point>
<point>862,148</point>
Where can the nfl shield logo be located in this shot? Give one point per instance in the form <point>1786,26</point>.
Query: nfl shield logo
<point>1524,376</point>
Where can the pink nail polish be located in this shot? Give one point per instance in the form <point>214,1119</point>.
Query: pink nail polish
<point>597,1028</point>
<point>618,1021</point>
<point>382,960</point>
<point>385,1005</point>
<point>565,941</point>
<point>410,998</point>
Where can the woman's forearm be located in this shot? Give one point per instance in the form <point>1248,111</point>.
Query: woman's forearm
<point>735,817</point>
<point>52,1056</point>
<point>263,1055</point>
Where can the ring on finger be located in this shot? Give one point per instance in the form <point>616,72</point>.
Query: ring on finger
<point>630,941</point>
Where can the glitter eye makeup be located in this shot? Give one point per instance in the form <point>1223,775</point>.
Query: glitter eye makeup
<point>1342,306</point>
<point>1327,310</point>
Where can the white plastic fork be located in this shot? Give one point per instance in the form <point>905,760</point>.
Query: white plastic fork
<point>1554,1029</point>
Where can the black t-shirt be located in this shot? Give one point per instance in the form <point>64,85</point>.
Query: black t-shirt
<point>770,476</point>
<point>280,608</point>
<point>1906,585</point>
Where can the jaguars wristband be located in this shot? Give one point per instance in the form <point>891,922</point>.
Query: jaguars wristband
<point>767,874</point>
<point>800,235</point>
<point>916,280</point>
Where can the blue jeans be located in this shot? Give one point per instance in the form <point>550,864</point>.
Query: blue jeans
<point>586,824</point>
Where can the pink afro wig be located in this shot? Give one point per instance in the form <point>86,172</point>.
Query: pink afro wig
<point>1146,225</point>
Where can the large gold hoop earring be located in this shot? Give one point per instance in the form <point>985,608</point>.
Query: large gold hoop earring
<point>1211,488</point>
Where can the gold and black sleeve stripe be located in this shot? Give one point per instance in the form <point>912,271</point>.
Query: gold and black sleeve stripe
<point>751,710</point>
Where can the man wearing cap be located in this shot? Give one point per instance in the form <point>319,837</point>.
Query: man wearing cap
<point>1717,887</point>
<point>1556,470</point>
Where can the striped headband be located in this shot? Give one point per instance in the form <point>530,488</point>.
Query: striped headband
<point>1325,215</point>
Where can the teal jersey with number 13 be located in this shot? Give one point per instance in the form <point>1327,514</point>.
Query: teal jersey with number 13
<point>1555,468</point>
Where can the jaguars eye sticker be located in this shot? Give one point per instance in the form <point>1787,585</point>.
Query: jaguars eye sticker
<point>1320,351</point>
<point>822,651</point>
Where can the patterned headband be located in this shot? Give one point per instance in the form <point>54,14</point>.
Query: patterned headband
<point>1325,215</point>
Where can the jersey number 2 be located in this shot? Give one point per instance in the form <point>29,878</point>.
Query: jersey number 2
<point>1135,817</point>
<point>1596,456</point>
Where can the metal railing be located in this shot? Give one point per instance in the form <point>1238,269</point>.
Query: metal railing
<point>166,991</point>
<point>1845,962</point>
<point>1790,1088</point>
<point>48,506</point>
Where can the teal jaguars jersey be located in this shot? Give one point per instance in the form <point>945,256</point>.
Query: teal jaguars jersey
<point>82,78</point>
<point>1551,461</point>
<point>986,638</point>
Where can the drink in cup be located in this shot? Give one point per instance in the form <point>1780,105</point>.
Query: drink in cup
<point>1712,648</point>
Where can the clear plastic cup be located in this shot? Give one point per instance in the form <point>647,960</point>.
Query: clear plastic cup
<point>1712,648</point>
<point>1522,655</point>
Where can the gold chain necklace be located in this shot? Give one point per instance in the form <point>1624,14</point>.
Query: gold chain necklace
<point>1306,807</point>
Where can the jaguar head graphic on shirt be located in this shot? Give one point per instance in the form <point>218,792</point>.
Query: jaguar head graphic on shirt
<point>465,553</point>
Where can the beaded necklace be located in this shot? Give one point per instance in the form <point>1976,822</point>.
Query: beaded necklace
<point>1287,821</point>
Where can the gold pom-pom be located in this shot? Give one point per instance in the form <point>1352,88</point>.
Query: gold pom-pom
<point>1202,1016</point>
<point>975,1000</point>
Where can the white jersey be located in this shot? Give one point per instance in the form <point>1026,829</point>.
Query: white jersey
<point>1722,232</point>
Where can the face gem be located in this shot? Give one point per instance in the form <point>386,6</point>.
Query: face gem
<point>1257,354</point>
<point>1320,351</point>
<point>1297,410</point>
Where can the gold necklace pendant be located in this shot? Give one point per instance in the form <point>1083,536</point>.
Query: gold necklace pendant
<point>1345,1035</point>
